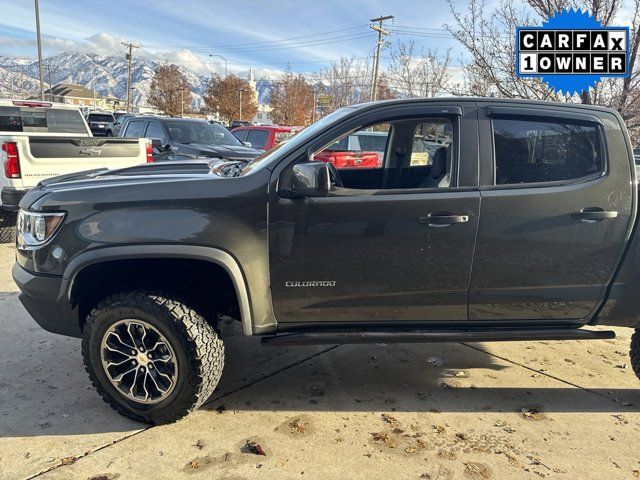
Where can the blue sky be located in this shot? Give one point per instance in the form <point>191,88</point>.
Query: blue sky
<point>247,33</point>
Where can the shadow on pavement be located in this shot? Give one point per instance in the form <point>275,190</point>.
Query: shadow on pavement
<point>44,390</point>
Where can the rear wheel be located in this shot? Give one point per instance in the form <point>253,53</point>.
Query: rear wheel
<point>7,226</point>
<point>634,353</point>
<point>152,358</point>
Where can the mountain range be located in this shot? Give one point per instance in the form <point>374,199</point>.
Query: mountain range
<point>106,74</point>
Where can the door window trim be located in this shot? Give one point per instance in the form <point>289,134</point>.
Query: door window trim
<point>540,115</point>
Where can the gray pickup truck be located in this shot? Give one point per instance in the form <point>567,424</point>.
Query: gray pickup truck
<point>519,222</point>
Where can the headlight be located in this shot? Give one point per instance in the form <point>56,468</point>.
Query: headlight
<point>36,228</point>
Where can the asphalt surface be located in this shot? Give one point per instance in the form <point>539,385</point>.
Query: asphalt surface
<point>563,410</point>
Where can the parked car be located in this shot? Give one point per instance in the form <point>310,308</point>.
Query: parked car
<point>363,149</point>
<point>143,263</point>
<point>39,140</point>
<point>113,129</point>
<point>187,136</point>
<point>264,137</point>
<point>99,123</point>
<point>239,123</point>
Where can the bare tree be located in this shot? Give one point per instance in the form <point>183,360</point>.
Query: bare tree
<point>490,42</point>
<point>344,83</point>
<point>423,74</point>
<point>489,39</point>
<point>292,100</point>
<point>224,94</point>
<point>169,89</point>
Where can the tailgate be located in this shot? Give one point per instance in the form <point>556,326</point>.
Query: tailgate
<point>47,157</point>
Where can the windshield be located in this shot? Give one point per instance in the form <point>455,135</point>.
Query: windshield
<point>200,132</point>
<point>296,141</point>
<point>96,117</point>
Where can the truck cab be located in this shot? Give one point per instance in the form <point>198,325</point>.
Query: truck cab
<point>484,219</point>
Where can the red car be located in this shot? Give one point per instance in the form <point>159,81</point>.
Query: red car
<point>264,137</point>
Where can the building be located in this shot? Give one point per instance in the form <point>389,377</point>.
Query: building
<point>75,95</point>
<point>262,116</point>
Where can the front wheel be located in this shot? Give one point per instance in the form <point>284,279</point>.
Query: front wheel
<point>151,358</point>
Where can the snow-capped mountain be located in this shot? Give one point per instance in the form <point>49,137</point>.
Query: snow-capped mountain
<point>106,74</point>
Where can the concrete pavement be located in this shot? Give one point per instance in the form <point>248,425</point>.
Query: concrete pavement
<point>492,410</point>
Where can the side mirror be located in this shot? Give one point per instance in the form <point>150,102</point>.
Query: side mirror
<point>310,179</point>
<point>247,144</point>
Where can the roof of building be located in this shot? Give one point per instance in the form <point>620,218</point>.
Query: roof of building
<point>71,90</point>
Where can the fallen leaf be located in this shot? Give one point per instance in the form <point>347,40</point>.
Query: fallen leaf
<point>68,460</point>
<point>389,418</point>
<point>255,448</point>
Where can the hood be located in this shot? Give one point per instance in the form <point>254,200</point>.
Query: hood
<point>229,152</point>
<point>145,173</point>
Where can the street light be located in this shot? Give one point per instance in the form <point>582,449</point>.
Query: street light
<point>226,72</point>
<point>39,40</point>
<point>240,90</point>
<point>182,101</point>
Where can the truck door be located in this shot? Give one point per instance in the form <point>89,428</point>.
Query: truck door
<point>556,209</point>
<point>395,242</point>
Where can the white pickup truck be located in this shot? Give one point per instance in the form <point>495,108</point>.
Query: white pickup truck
<point>39,140</point>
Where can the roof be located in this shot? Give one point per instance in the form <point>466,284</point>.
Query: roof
<point>71,90</point>
<point>8,102</point>
<point>454,100</point>
<point>276,128</point>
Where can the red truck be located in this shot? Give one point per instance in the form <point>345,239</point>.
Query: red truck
<point>264,137</point>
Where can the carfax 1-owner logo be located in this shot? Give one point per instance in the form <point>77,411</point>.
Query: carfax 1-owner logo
<point>572,51</point>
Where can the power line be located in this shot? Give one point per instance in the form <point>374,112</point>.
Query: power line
<point>258,48</point>
<point>218,46</point>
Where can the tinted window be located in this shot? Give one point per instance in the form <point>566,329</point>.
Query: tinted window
<point>135,129</point>
<point>27,119</point>
<point>99,117</point>
<point>257,138</point>
<point>530,151</point>
<point>241,135</point>
<point>196,131</point>
<point>154,130</point>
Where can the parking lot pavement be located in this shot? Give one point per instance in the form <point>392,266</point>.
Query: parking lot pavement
<point>492,410</point>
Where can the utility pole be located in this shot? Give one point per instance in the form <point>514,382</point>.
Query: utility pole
<point>40,72</point>
<point>130,58</point>
<point>381,32</point>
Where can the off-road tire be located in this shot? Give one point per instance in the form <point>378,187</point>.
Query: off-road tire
<point>198,348</point>
<point>7,226</point>
<point>634,353</point>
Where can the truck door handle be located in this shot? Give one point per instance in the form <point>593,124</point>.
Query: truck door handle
<point>593,214</point>
<point>439,220</point>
